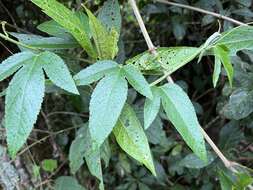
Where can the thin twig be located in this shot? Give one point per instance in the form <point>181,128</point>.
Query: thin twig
<point>225,161</point>
<point>202,11</point>
<point>144,31</point>
<point>66,113</point>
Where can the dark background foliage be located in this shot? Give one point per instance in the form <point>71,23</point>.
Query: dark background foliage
<point>225,113</point>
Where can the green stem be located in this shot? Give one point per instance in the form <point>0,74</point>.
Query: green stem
<point>17,42</point>
<point>160,79</point>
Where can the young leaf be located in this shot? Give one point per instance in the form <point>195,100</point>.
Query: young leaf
<point>13,63</point>
<point>151,107</point>
<point>222,53</point>
<point>106,42</point>
<point>57,71</point>
<point>107,101</point>
<point>94,72</point>
<point>67,19</point>
<point>132,139</point>
<point>23,101</point>
<point>181,113</point>
<point>237,39</point>
<point>137,80</point>
<point>110,16</point>
<point>67,183</point>
<point>45,43</point>
<point>49,165</point>
<point>217,71</point>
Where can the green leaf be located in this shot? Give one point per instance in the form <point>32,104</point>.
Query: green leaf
<point>243,180</point>
<point>192,161</point>
<point>178,28</point>
<point>94,72</point>
<point>54,29</point>
<point>110,16</point>
<point>236,39</point>
<point>67,19</point>
<point>137,80</point>
<point>167,59</point>
<point>57,71</point>
<point>67,183</point>
<point>78,148</point>
<point>105,152</point>
<point>36,170</point>
<point>13,63</point>
<point>106,103</point>
<point>106,42</point>
<point>45,43</point>
<point>151,107</point>
<point>132,139</point>
<point>23,101</point>
<point>222,53</point>
<point>93,161</point>
<point>217,71</point>
<point>81,147</point>
<point>157,136</point>
<point>84,22</point>
<point>49,165</point>
<point>240,104</point>
<point>181,113</point>
<point>225,181</point>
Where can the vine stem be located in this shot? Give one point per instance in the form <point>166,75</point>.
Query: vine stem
<point>228,164</point>
<point>220,16</point>
<point>7,38</point>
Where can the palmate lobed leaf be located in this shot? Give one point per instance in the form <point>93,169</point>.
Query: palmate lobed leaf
<point>132,139</point>
<point>26,91</point>
<point>181,113</point>
<point>107,101</point>
<point>67,19</point>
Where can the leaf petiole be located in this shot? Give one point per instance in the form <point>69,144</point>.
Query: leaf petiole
<point>7,38</point>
